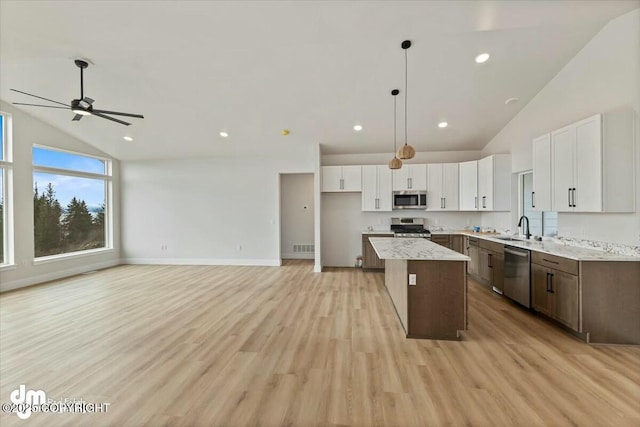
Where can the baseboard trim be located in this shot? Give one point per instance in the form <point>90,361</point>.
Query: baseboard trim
<point>61,274</point>
<point>298,256</point>
<point>202,261</point>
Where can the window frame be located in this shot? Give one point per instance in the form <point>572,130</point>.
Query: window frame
<point>6,164</point>
<point>107,177</point>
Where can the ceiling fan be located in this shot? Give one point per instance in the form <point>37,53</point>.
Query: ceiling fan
<point>82,106</point>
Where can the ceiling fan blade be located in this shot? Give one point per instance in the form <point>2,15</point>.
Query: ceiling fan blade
<point>36,96</point>
<point>117,113</point>
<point>88,100</point>
<point>40,105</point>
<point>99,114</point>
<point>76,117</point>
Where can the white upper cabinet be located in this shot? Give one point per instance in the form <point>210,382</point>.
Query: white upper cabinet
<point>592,164</point>
<point>410,178</point>
<point>341,178</point>
<point>541,197</point>
<point>494,183</point>
<point>442,187</point>
<point>376,188</point>
<point>469,186</point>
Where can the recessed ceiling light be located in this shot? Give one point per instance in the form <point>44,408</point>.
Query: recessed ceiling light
<point>482,58</point>
<point>224,134</point>
<point>357,128</point>
<point>511,101</point>
<point>128,138</point>
<point>443,125</point>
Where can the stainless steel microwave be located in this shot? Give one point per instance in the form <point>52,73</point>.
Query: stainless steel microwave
<point>409,200</point>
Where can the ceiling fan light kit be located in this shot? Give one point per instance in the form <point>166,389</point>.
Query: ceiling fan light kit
<point>395,163</point>
<point>82,106</point>
<point>406,151</point>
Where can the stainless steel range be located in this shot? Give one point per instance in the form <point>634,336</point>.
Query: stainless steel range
<point>409,227</point>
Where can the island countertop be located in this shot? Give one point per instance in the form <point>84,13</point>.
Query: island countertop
<point>413,249</point>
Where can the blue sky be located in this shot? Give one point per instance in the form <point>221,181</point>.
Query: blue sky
<point>92,191</point>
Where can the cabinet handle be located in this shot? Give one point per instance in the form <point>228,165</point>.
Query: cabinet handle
<point>551,283</point>
<point>377,203</point>
<point>341,183</point>
<point>533,203</point>
<point>569,197</point>
<point>484,202</point>
<point>475,202</point>
<point>409,183</point>
<point>489,259</point>
<point>548,277</point>
<point>573,198</point>
<point>551,261</point>
<point>444,202</point>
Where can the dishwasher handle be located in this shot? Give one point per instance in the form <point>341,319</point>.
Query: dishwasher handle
<point>516,252</point>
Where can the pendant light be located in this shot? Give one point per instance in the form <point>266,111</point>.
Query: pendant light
<point>406,151</point>
<point>395,163</point>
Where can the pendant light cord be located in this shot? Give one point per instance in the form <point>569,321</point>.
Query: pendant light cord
<point>395,123</point>
<point>405,96</point>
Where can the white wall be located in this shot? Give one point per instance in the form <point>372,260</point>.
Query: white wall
<point>207,211</point>
<point>343,219</point>
<point>297,209</point>
<point>28,131</point>
<point>603,76</point>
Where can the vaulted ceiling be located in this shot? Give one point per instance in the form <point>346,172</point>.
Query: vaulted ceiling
<point>313,67</point>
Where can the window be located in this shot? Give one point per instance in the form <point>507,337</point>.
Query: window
<point>70,202</point>
<point>6,226</point>
<point>540,223</point>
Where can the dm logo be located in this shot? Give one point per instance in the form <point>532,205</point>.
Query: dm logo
<point>25,399</point>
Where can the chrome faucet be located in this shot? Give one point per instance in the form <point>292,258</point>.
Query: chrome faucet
<point>527,234</point>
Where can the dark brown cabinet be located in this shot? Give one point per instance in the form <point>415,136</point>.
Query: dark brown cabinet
<point>457,243</point>
<point>442,239</point>
<point>555,294</point>
<point>473,266</point>
<point>491,264</point>
<point>370,258</point>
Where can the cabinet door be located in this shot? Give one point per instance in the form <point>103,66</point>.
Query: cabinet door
<point>385,191</point>
<point>565,287</point>
<point>469,186</point>
<point>484,267</point>
<point>562,148</point>
<point>473,266</point>
<point>450,193</point>
<point>497,270</point>
<point>331,178</point>
<point>418,175</point>
<point>457,244</point>
<point>401,178</point>
<point>352,178</point>
<point>587,193</point>
<point>369,256</point>
<point>485,184</point>
<point>434,187</point>
<point>369,188</point>
<point>543,300</point>
<point>542,173</point>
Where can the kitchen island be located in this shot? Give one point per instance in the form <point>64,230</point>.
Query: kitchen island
<point>427,285</point>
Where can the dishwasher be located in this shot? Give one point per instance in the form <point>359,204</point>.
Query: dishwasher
<point>517,275</point>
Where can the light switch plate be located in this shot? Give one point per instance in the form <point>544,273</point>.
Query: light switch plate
<point>412,279</point>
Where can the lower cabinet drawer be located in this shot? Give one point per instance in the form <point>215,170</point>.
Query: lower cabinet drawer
<point>558,263</point>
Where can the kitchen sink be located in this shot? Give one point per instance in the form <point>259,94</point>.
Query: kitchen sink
<point>509,238</point>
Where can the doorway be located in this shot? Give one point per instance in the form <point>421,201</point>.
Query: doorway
<point>297,216</point>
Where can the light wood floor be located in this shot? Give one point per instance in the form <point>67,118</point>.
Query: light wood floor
<point>233,346</point>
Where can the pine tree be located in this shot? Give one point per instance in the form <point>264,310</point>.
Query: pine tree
<point>46,218</point>
<point>77,223</point>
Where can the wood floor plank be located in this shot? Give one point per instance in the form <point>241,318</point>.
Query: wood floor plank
<point>270,346</point>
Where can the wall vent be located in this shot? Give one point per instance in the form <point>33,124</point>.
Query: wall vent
<point>307,249</point>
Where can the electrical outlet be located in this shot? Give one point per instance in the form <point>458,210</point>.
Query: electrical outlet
<point>412,279</point>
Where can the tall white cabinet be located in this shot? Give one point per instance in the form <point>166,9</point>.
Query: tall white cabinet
<point>469,186</point>
<point>494,183</point>
<point>376,188</point>
<point>410,177</point>
<point>341,178</point>
<point>592,164</point>
<point>442,187</point>
<point>541,197</point>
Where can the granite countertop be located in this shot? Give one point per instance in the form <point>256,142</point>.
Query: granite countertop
<point>389,232</point>
<point>413,249</point>
<point>550,247</point>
